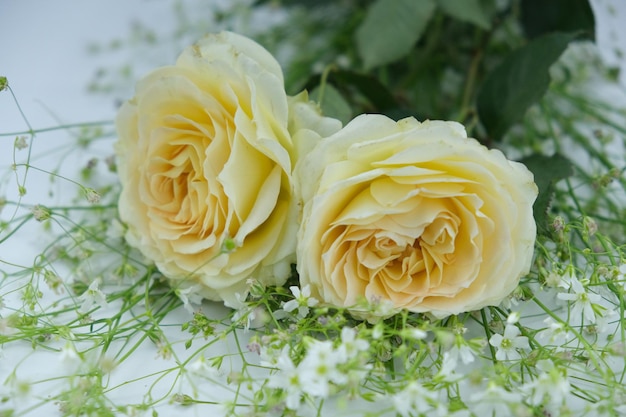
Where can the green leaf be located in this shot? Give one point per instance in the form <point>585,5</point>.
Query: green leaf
<point>368,86</point>
<point>540,16</point>
<point>548,170</point>
<point>390,29</point>
<point>518,82</point>
<point>332,103</point>
<point>472,11</point>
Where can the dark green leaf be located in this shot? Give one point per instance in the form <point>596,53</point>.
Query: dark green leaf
<point>332,103</point>
<point>369,87</point>
<point>390,29</point>
<point>540,16</point>
<point>472,11</point>
<point>519,82</point>
<point>548,170</point>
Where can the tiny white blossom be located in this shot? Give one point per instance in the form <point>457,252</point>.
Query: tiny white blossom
<point>509,343</point>
<point>288,379</point>
<point>20,143</point>
<point>91,195</point>
<point>302,301</point>
<point>567,278</point>
<point>460,350</point>
<point>40,213</point>
<point>190,296</point>
<point>350,345</point>
<point>555,333</point>
<point>581,301</point>
<point>494,401</point>
<point>203,368</point>
<point>621,275</point>
<point>68,353</point>
<point>447,372</point>
<point>414,333</point>
<point>242,310</point>
<point>93,295</point>
<point>414,399</point>
<point>319,369</point>
<point>553,279</point>
<point>550,387</point>
<point>513,317</point>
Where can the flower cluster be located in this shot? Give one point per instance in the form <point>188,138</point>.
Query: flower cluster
<point>213,153</point>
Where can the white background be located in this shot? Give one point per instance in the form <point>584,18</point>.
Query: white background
<point>43,53</point>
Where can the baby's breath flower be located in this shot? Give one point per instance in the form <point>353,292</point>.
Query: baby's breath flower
<point>555,333</point>
<point>350,345</point>
<point>190,297</point>
<point>41,213</point>
<point>494,401</point>
<point>91,195</point>
<point>55,283</point>
<point>513,317</point>
<point>591,227</point>
<point>302,301</point>
<point>319,368</point>
<point>288,379</point>
<point>413,400</point>
<point>582,301</point>
<point>204,368</point>
<point>447,371</point>
<point>509,343</point>
<point>414,333</point>
<point>461,350</point>
<point>551,387</point>
<point>20,143</point>
<point>553,279</point>
<point>69,354</point>
<point>93,295</point>
<point>621,275</point>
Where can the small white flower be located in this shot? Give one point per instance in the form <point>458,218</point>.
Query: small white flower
<point>40,213</point>
<point>553,279</point>
<point>555,333</point>
<point>567,278</point>
<point>447,372</point>
<point>350,345</point>
<point>93,295</point>
<point>460,350</point>
<point>509,343</point>
<point>203,368</point>
<point>319,369</point>
<point>91,195</point>
<point>414,399</point>
<point>414,333</point>
<point>288,379</point>
<point>20,143</point>
<point>302,301</point>
<point>68,353</point>
<point>621,275</point>
<point>494,401</point>
<point>581,301</point>
<point>550,387</point>
<point>190,296</point>
<point>513,317</point>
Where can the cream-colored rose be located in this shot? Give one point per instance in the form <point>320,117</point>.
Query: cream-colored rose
<point>415,215</point>
<point>205,161</point>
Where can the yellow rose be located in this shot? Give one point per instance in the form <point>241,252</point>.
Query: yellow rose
<point>205,163</point>
<point>415,215</point>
